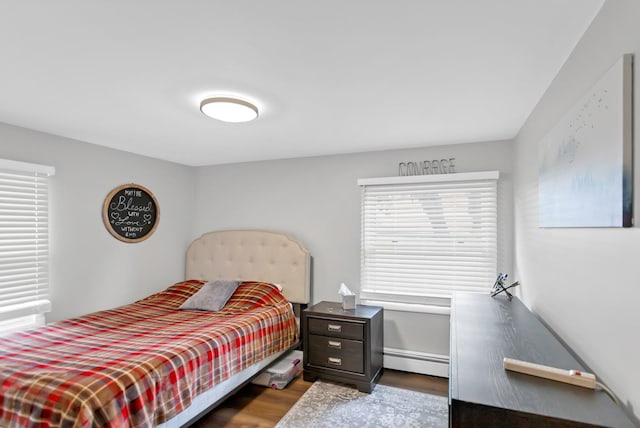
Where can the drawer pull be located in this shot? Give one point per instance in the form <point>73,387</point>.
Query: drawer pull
<point>334,328</point>
<point>335,361</point>
<point>334,344</point>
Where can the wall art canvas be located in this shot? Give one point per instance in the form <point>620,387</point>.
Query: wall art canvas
<point>585,164</point>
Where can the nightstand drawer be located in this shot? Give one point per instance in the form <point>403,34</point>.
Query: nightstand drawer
<point>334,353</point>
<point>348,330</point>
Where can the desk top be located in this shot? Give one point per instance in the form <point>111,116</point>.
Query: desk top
<point>484,330</point>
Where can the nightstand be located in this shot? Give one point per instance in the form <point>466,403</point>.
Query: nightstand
<point>343,345</point>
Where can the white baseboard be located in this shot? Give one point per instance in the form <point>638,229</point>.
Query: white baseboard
<point>416,362</point>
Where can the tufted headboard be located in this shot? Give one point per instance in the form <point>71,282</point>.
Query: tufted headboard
<point>252,255</point>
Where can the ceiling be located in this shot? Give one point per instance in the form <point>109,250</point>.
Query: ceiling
<point>329,76</point>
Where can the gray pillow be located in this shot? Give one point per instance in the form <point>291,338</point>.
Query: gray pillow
<point>212,296</point>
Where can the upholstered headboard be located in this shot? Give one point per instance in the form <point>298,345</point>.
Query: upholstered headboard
<point>252,255</point>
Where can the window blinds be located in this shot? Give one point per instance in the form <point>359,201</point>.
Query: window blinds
<point>24,239</point>
<point>424,237</point>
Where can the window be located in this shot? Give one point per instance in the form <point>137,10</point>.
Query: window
<point>24,244</point>
<point>424,237</point>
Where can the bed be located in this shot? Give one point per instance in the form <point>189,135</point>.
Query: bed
<point>150,363</point>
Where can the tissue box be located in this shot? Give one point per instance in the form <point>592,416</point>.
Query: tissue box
<point>349,301</point>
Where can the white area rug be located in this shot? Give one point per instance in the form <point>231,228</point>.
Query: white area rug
<point>333,405</point>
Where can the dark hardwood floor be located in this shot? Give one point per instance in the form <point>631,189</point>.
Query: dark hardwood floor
<point>259,407</point>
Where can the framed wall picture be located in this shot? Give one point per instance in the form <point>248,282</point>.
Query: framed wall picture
<point>585,161</point>
<point>130,213</point>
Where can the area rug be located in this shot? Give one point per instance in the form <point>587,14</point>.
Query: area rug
<point>333,405</point>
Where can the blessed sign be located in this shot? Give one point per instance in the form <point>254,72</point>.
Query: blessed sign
<point>130,213</point>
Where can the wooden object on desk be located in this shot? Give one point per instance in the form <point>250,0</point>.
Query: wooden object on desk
<point>343,345</point>
<point>485,330</point>
<point>573,377</point>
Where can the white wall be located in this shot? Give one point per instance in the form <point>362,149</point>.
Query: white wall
<point>585,283</point>
<point>317,201</point>
<point>91,270</point>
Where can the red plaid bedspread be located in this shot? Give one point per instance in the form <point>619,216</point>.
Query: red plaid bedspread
<point>140,364</point>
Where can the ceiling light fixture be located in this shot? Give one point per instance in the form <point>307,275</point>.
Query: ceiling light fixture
<point>229,109</point>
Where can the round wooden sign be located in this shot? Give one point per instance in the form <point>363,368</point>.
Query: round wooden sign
<point>130,213</point>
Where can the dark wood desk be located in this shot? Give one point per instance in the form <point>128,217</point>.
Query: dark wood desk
<point>484,330</point>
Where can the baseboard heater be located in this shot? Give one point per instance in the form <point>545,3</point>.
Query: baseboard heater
<point>416,362</point>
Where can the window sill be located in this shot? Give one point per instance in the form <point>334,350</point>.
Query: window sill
<point>34,307</point>
<point>409,307</point>
<point>21,323</point>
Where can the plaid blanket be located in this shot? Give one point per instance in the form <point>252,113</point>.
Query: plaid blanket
<point>140,364</point>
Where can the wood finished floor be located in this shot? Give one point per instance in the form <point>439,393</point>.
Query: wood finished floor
<point>259,407</point>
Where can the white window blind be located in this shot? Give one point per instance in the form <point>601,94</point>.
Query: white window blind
<point>24,239</point>
<point>424,237</point>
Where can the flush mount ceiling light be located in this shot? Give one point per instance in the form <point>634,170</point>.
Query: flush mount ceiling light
<point>229,109</point>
